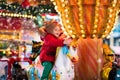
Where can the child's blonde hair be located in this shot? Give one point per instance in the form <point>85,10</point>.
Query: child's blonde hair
<point>48,27</point>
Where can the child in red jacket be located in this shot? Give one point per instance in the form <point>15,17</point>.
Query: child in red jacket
<point>51,38</point>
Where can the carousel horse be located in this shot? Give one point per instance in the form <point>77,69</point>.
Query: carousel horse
<point>32,72</point>
<point>109,58</point>
<point>36,46</point>
<point>64,67</point>
<point>18,73</point>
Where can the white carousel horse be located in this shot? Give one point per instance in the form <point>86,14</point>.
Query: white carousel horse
<point>63,68</point>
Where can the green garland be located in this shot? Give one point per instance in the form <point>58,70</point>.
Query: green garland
<point>17,8</point>
<point>34,11</point>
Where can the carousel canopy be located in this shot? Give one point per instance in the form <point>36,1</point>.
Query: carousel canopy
<point>87,18</point>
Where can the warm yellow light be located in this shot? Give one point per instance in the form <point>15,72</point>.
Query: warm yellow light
<point>63,5</point>
<point>25,16</point>
<point>34,17</point>
<point>115,1</point>
<point>114,5</point>
<point>109,20</point>
<point>108,37</point>
<point>14,15</point>
<point>11,14</point>
<point>0,13</point>
<point>69,26</point>
<point>80,14</point>
<point>62,0</point>
<point>73,36</point>
<point>82,31</point>
<point>54,3</point>
<point>31,16</point>
<point>56,7</point>
<point>80,20</point>
<point>81,26</point>
<point>95,26</point>
<point>8,14</point>
<point>108,27</point>
<point>103,36</point>
<point>96,20</point>
<point>4,52</point>
<point>67,21</point>
<point>94,31</point>
<point>8,49</point>
<point>110,16</point>
<point>66,16</point>
<point>18,15</point>
<point>93,35</point>
<point>83,35</point>
<point>65,33</point>
<point>13,37</point>
<point>66,1</point>
<point>97,14</point>
<point>66,10</point>
<point>51,0</point>
<point>3,14</point>
<point>106,31</point>
<point>71,31</point>
<point>80,8</point>
<point>9,52</point>
<point>110,10</point>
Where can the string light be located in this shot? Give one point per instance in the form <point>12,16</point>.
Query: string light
<point>5,14</point>
<point>112,13</point>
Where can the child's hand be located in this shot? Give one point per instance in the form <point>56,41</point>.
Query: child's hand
<point>63,36</point>
<point>67,41</point>
<point>74,59</point>
<point>42,31</point>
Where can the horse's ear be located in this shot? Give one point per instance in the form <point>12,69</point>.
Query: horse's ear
<point>39,42</point>
<point>33,41</point>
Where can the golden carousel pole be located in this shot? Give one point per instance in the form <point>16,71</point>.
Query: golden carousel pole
<point>88,21</point>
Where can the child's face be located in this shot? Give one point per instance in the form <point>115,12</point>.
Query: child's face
<point>57,31</point>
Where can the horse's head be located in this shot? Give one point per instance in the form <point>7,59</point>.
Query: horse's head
<point>36,47</point>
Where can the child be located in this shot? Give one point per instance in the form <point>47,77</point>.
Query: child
<point>50,36</point>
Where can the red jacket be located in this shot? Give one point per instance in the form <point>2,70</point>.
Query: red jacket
<point>49,47</point>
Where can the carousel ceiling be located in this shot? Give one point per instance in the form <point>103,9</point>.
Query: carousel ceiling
<point>88,18</point>
<point>80,18</point>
